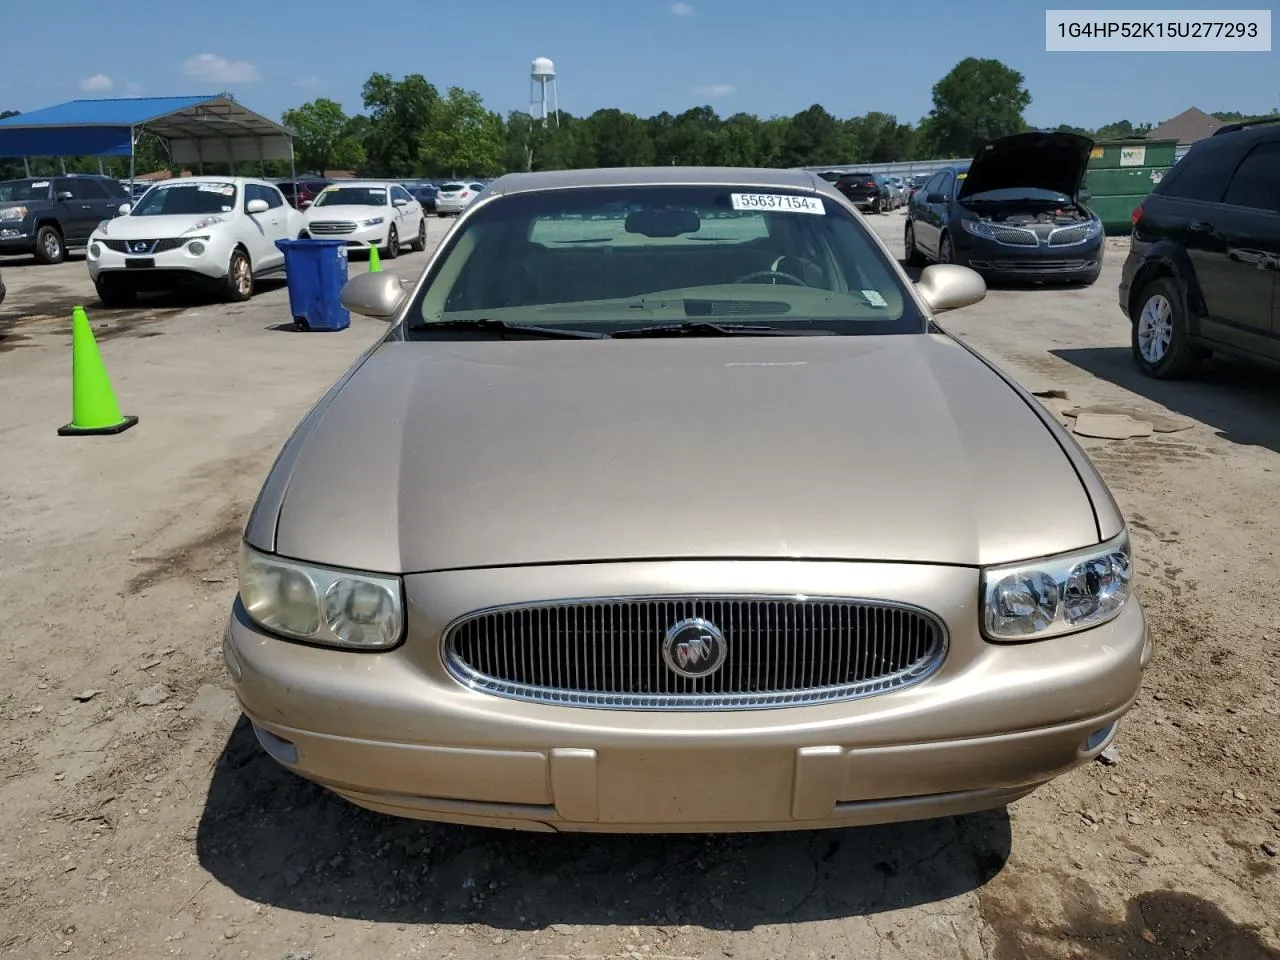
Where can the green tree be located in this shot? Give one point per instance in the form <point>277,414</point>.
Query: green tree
<point>400,114</point>
<point>614,139</point>
<point>463,138</point>
<point>978,101</point>
<point>812,137</point>
<point>322,137</point>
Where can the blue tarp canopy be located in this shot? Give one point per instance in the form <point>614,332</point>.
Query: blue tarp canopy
<point>196,129</point>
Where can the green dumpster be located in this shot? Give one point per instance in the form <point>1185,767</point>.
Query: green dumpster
<point>1121,173</point>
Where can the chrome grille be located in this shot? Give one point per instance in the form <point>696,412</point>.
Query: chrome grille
<point>1065,235</point>
<point>330,228</point>
<point>1042,265</point>
<point>1016,236</point>
<point>782,651</point>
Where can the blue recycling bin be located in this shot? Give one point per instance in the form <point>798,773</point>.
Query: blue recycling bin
<point>316,271</point>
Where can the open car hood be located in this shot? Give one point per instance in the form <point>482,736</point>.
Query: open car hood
<point>1048,161</point>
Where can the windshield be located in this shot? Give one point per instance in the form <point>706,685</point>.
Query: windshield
<point>186,198</point>
<point>1019,195</point>
<point>12,190</point>
<point>452,187</point>
<point>618,257</point>
<point>352,197</point>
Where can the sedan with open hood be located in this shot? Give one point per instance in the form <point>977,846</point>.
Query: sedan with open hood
<point>664,504</point>
<point>1016,212</point>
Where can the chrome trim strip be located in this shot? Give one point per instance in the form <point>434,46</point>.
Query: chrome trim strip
<point>479,682</point>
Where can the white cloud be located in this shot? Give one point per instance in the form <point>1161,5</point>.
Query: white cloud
<point>308,83</point>
<point>97,83</point>
<point>716,90</point>
<point>682,9</point>
<point>215,69</point>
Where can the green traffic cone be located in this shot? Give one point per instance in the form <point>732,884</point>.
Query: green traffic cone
<point>93,402</point>
<point>375,261</point>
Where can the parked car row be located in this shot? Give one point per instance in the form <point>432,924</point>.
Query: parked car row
<point>222,232</point>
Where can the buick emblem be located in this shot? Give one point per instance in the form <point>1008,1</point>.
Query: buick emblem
<point>694,648</point>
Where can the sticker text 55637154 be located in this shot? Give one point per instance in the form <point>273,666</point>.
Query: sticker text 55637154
<point>777,203</point>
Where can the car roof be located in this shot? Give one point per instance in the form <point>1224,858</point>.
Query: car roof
<point>654,177</point>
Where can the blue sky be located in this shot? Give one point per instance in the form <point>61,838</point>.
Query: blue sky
<point>640,55</point>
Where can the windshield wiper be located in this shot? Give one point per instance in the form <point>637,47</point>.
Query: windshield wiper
<point>702,328</point>
<point>501,326</point>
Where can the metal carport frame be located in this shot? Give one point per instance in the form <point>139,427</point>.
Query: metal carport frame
<point>196,130</point>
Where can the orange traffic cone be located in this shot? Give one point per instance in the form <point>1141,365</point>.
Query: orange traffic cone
<point>93,402</point>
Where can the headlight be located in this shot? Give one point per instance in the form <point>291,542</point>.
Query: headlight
<point>371,222</point>
<point>978,228</point>
<point>12,213</point>
<point>1095,228</point>
<point>102,226</point>
<point>338,608</point>
<point>1056,595</point>
<point>206,222</point>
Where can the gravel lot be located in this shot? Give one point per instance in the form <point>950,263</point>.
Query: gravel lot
<point>141,820</point>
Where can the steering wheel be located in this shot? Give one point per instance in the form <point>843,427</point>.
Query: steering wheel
<point>772,275</point>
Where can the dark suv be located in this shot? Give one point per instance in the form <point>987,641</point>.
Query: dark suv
<point>866,191</point>
<point>45,216</point>
<point>1203,271</point>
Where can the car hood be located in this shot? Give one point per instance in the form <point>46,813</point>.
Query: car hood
<point>338,211</point>
<point>1049,161</point>
<point>153,228</point>
<point>442,455</point>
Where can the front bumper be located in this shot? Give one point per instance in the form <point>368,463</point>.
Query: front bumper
<point>362,238</point>
<point>1006,261</point>
<point>394,732</point>
<point>164,267</point>
<point>15,238</point>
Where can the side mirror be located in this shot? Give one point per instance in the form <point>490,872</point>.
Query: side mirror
<point>65,195</point>
<point>124,208</point>
<point>257,206</point>
<point>948,286</point>
<point>305,204</point>
<point>936,197</point>
<point>376,295</point>
<point>400,202</point>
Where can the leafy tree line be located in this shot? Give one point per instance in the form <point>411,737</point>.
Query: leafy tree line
<point>409,128</point>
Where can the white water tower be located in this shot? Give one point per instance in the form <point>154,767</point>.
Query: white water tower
<point>544,99</point>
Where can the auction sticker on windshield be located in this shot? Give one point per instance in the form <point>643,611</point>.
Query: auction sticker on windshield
<point>779,202</point>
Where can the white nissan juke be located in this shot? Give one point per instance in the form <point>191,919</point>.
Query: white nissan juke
<point>218,232</point>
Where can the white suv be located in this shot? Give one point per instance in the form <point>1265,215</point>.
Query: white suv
<point>211,231</point>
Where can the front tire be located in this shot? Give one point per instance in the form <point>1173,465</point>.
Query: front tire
<point>421,243</point>
<point>945,252</point>
<point>238,285</point>
<point>914,257</point>
<point>1161,341</point>
<point>50,247</point>
<point>113,292</point>
<point>393,243</point>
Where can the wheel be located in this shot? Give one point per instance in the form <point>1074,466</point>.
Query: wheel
<point>1162,344</point>
<point>914,257</point>
<point>393,243</point>
<point>304,235</point>
<point>877,206</point>
<point>49,245</point>
<point>945,253</point>
<point>421,243</point>
<point>441,215</point>
<point>114,292</point>
<point>238,284</point>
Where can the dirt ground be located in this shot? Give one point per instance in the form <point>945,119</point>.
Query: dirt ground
<point>139,819</point>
